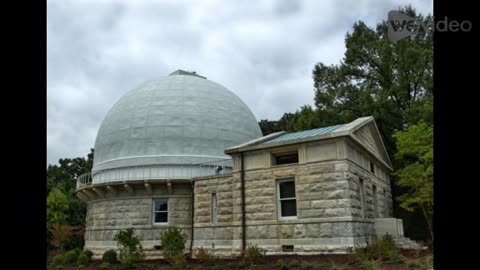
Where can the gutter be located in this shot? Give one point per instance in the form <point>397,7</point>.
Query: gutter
<point>242,180</point>
<point>193,211</point>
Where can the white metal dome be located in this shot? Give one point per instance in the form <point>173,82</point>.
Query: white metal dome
<point>178,120</point>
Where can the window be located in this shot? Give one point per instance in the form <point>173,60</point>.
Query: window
<point>214,208</point>
<point>285,158</point>
<point>375,201</point>
<point>287,202</point>
<point>160,211</point>
<point>362,197</point>
<point>372,167</point>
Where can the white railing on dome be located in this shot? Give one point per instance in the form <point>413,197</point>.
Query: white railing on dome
<point>220,166</point>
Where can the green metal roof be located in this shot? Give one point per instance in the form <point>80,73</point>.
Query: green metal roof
<point>303,134</point>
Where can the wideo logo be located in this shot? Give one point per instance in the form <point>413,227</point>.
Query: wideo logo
<point>401,26</point>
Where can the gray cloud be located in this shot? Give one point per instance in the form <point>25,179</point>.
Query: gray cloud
<point>98,50</point>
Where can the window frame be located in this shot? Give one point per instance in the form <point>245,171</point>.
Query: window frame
<point>284,153</point>
<point>162,211</point>
<point>279,200</point>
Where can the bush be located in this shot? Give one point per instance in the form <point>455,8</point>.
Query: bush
<point>370,265</point>
<point>58,260</point>
<point>83,259</point>
<point>89,254</point>
<point>279,263</point>
<point>204,256</point>
<point>78,251</point>
<point>294,263</point>
<point>173,242</point>
<point>306,265</point>
<point>81,267</point>
<point>334,266</point>
<point>255,253</point>
<point>130,249</point>
<point>59,267</point>
<point>110,256</point>
<point>178,261</point>
<point>242,264</point>
<point>70,257</point>
<point>378,249</point>
<point>285,266</point>
<point>105,265</point>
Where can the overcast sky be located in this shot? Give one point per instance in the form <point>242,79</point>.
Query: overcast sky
<point>98,50</point>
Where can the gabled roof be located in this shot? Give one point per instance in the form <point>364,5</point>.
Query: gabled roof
<point>363,130</point>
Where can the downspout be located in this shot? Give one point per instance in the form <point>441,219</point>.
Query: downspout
<point>193,211</point>
<point>242,180</point>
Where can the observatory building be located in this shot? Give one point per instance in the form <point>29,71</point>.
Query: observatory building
<point>186,151</point>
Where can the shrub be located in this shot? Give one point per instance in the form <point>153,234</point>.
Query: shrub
<point>294,263</point>
<point>217,267</point>
<point>378,249</point>
<point>70,257</point>
<point>370,265</point>
<point>204,256</point>
<point>58,260</point>
<point>130,249</point>
<point>255,253</point>
<point>105,265</point>
<point>334,266</point>
<point>110,256</point>
<point>78,251</point>
<point>306,265</point>
<point>59,267</point>
<point>81,267</point>
<point>83,259</point>
<point>285,266</point>
<point>89,254</point>
<point>173,242</point>
<point>242,264</point>
<point>178,261</point>
<point>279,263</point>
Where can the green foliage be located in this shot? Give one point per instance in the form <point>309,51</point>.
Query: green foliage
<point>105,266</point>
<point>254,253</point>
<point>83,259</point>
<point>63,207</point>
<point>217,267</point>
<point>57,205</point>
<point>204,255</point>
<point>332,265</point>
<point>279,263</point>
<point>58,260</point>
<point>130,249</point>
<point>110,256</point>
<point>70,257</point>
<point>178,260</point>
<point>370,265</point>
<point>285,267</point>
<point>294,263</point>
<point>242,264</point>
<point>81,267</point>
<point>173,242</point>
<point>307,265</point>
<point>59,267</point>
<point>89,253</point>
<point>415,150</point>
<point>425,263</point>
<point>377,249</point>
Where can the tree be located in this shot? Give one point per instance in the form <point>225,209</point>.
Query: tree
<point>390,81</point>
<point>57,205</point>
<point>415,150</point>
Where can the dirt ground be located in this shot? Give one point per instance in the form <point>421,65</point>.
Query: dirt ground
<point>321,262</point>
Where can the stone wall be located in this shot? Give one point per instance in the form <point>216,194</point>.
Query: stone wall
<point>108,215</point>
<point>328,203</point>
